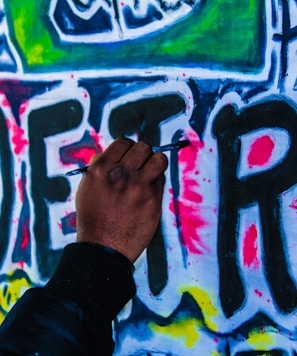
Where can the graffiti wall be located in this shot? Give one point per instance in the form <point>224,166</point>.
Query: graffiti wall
<point>220,277</point>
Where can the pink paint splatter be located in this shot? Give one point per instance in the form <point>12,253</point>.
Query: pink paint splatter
<point>5,103</point>
<point>260,294</point>
<point>188,207</point>
<point>23,108</point>
<point>71,221</point>
<point>82,151</point>
<point>96,139</point>
<point>250,247</point>
<point>18,141</point>
<point>21,264</point>
<point>261,151</point>
<point>293,205</point>
<point>20,189</point>
<point>84,154</point>
<point>25,237</point>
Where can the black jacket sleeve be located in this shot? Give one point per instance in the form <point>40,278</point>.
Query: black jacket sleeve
<point>72,313</point>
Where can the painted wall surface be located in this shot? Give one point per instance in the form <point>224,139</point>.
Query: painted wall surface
<point>220,277</point>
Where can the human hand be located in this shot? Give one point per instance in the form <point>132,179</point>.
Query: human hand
<point>119,198</point>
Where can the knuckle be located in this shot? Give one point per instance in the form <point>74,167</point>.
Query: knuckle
<point>145,147</point>
<point>97,162</point>
<point>161,161</point>
<point>118,174</point>
<point>125,140</point>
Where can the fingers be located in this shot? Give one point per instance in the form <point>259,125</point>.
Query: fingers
<point>114,152</point>
<point>137,156</point>
<point>141,157</point>
<point>155,167</point>
<point>133,157</point>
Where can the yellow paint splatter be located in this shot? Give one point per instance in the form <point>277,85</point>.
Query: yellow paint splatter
<point>11,290</point>
<point>185,329</point>
<point>260,340</point>
<point>203,300</point>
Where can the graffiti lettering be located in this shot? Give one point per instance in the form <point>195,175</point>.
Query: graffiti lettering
<point>263,188</point>
<point>92,21</point>
<point>288,35</point>
<point>143,118</point>
<point>220,277</point>
<point>43,123</point>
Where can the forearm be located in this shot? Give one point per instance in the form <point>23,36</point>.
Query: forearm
<point>72,314</point>
<point>99,279</point>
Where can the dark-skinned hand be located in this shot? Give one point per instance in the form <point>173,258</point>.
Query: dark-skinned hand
<point>119,198</point>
